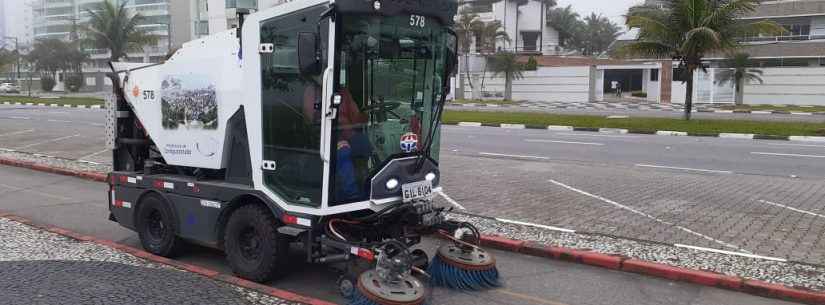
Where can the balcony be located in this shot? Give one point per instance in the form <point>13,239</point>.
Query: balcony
<point>782,38</point>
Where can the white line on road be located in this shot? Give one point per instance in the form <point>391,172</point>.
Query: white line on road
<point>792,208</point>
<point>686,169</point>
<point>451,201</point>
<point>595,135</point>
<point>562,142</point>
<point>94,154</point>
<point>59,121</point>
<point>16,132</point>
<point>785,155</point>
<point>800,145</point>
<point>20,117</point>
<point>634,211</point>
<point>516,222</point>
<point>731,253</point>
<point>48,141</point>
<point>512,156</point>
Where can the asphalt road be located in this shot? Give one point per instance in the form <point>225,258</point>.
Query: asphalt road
<point>757,196</point>
<point>81,206</point>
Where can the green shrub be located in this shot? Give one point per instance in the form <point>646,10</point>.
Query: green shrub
<point>74,82</point>
<point>532,64</point>
<point>638,94</point>
<point>47,83</point>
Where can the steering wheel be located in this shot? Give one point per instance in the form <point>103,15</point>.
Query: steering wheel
<point>386,107</point>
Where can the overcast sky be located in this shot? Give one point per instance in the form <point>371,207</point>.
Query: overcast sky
<point>613,9</point>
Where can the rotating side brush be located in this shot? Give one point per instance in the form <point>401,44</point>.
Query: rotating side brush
<point>463,265</point>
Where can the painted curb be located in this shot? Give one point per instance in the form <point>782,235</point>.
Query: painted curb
<point>47,105</point>
<point>612,262</point>
<point>94,176</point>
<point>205,272</point>
<point>669,133</point>
<point>620,263</point>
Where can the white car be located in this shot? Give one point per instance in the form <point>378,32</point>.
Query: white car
<point>9,88</point>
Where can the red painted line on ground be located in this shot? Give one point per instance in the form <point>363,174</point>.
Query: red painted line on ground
<point>206,272</point>
<point>578,256</point>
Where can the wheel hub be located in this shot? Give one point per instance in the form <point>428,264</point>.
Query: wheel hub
<point>250,244</point>
<point>407,291</point>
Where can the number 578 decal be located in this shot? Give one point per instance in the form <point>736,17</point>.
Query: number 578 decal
<point>418,21</point>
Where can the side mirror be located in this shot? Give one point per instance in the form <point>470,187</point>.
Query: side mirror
<point>309,59</point>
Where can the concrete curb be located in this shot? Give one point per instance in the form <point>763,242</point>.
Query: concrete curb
<point>586,257</point>
<point>625,264</point>
<point>670,133</point>
<point>205,272</point>
<point>472,105</point>
<point>94,176</point>
<point>47,105</point>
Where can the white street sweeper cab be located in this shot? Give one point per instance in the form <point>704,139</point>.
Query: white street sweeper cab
<point>316,122</point>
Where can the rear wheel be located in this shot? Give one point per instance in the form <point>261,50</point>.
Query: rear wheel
<point>156,226</point>
<point>254,248</point>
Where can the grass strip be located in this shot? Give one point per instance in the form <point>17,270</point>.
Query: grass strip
<point>768,107</point>
<point>74,101</point>
<point>638,124</point>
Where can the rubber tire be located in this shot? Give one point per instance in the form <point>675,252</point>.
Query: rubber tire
<point>273,246</point>
<point>170,244</point>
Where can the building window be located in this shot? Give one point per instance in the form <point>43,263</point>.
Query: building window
<point>680,75</point>
<point>529,41</point>
<point>654,75</point>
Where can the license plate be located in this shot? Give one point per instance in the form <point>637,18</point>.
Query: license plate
<point>416,190</point>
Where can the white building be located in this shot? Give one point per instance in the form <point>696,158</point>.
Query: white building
<point>16,21</point>
<point>524,21</point>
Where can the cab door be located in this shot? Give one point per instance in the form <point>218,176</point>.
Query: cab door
<point>291,109</point>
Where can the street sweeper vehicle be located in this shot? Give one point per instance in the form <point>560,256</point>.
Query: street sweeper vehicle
<point>315,126</point>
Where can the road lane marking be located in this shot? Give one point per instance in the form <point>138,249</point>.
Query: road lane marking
<point>552,228</point>
<point>19,118</point>
<point>651,217</point>
<point>48,141</point>
<point>527,297</point>
<point>451,201</point>
<point>792,208</point>
<point>594,135</point>
<point>731,253</point>
<point>94,154</point>
<point>17,132</point>
<point>512,156</point>
<point>686,168</point>
<point>562,142</point>
<point>785,155</point>
<point>800,145</point>
<point>59,121</point>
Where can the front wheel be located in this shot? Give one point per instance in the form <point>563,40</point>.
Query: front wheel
<point>254,248</point>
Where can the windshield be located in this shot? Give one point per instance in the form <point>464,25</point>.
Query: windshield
<point>390,78</point>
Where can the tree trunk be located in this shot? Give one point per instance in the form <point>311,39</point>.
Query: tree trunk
<point>689,95</point>
<point>467,70</point>
<point>459,90</point>
<point>508,87</point>
<point>740,92</point>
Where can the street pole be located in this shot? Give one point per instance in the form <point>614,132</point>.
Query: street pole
<point>16,50</point>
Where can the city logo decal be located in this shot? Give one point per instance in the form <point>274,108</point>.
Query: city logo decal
<point>136,91</point>
<point>409,142</point>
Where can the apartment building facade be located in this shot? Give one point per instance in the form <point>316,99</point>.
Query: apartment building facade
<point>524,21</point>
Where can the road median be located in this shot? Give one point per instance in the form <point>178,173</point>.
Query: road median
<point>734,129</point>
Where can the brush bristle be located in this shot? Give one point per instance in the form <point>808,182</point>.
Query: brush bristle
<point>358,298</point>
<point>446,275</point>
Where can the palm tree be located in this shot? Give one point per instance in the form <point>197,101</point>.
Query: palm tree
<point>597,34</point>
<point>566,22</point>
<point>487,36</point>
<point>506,63</point>
<point>466,27</point>
<point>114,27</point>
<point>739,73</point>
<point>687,30</point>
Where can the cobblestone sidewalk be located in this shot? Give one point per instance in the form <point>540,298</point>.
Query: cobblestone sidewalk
<point>38,267</point>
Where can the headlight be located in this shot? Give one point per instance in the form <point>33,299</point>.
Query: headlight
<point>392,184</point>
<point>430,177</point>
